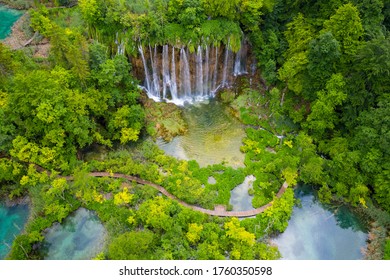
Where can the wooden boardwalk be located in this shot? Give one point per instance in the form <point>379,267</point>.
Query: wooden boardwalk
<point>219,211</point>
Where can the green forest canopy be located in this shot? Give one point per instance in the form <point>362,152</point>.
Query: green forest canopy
<point>325,65</point>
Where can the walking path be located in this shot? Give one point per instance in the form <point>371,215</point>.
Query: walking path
<point>219,211</point>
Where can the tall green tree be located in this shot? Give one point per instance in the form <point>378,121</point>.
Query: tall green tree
<point>346,27</point>
<point>323,115</point>
<point>221,8</point>
<point>324,55</point>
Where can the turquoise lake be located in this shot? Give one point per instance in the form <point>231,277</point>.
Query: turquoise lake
<point>12,221</point>
<point>316,232</point>
<point>7,19</point>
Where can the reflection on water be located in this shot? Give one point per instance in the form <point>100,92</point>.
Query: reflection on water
<point>317,233</point>
<point>80,237</point>
<point>239,198</point>
<point>12,221</point>
<point>214,136</point>
<point>7,19</point>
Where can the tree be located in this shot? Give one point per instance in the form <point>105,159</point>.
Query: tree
<point>372,139</point>
<point>90,9</point>
<point>323,58</point>
<point>251,12</point>
<point>372,67</point>
<point>125,124</point>
<point>193,234</point>
<point>221,8</point>
<point>275,218</point>
<point>57,189</point>
<point>134,245</point>
<point>237,233</point>
<point>98,55</point>
<point>123,197</point>
<point>298,35</point>
<point>371,15</point>
<point>323,114</point>
<point>155,213</point>
<point>51,116</point>
<point>68,47</point>
<point>346,27</point>
<point>6,64</point>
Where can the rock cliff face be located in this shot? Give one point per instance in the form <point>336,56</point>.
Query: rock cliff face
<point>177,75</point>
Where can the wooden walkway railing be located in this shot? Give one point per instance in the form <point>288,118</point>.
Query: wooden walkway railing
<point>215,212</point>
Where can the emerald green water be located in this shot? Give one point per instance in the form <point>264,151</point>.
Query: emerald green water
<point>81,236</point>
<point>7,19</point>
<point>316,232</point>
<point>214,136</point>
<point>12,221</point>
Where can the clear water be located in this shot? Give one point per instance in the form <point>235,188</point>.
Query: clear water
<point>7,19</point>
<point>12,221</point>
<point>239,197</point>
<point>80,237</point>
<point>214,136</point>
<point>319,233</point>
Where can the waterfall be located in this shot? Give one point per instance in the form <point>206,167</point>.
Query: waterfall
<point>156,79</point>
<point>215,77</point>
<point>185,76</point>
<point>120,50</point>
<point>240,61</point>
<point>147,75</point>
<point>165,70</point>
<point>179,77</point>
<point>237,64</point>
<point>206,73</point>
<point>199,72</point>
<point>173,84</point>
<point>225,65</point>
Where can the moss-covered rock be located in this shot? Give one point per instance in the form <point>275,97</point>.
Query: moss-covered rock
<point>163,120</point>
<point>227,95</point>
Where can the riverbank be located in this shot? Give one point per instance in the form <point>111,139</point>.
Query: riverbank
<point>24,200</point>
<point>8,18</point>
<point>17,4</point>
<point>23,37</point>
<point>25,4</point>
<point>17,36</point>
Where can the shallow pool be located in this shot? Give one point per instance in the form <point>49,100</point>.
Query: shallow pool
<point>214,136</point>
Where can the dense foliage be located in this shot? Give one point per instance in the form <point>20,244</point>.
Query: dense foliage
<point>334,81</point>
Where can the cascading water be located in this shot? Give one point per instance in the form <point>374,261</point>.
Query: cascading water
<point>153,58</point>
<point>185,76</point>
<point>215,76</point>
<point>120,45</point>
<point>206,73</point>
<point>148,83</point>
<point>173,83</point>
<point>174,75</point>
<point>240,61</point>
<point>199,72</point>
<point>165,71</point>
<point>225,65</point>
